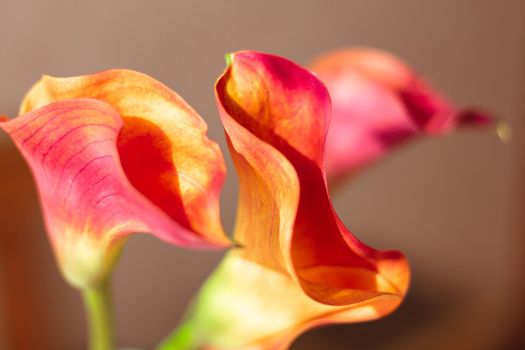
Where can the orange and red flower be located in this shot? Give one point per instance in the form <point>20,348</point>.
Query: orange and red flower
<point>114,153</point>
<point>297,266</point>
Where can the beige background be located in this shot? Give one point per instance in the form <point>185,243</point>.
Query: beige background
<point>454,205</point>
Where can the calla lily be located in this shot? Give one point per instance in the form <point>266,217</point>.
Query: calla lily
<point>379,102</point>
<point>115,153</point>
<point>297,265</point>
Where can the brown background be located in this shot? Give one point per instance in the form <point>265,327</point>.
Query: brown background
<point>453,205</point>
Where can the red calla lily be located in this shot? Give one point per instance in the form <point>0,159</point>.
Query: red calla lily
<point>378,103</point>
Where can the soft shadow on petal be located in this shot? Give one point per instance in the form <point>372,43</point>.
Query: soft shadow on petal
<point>163,145</point>
<point>283,106</point>
<point>89,203</point>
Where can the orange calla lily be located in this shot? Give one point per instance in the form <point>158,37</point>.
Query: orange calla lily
<point>115,153</point>
<point>297,266</point>
<point>378,103</point>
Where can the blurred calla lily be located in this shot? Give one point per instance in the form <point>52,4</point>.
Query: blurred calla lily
<point>297,265</point>
<point>115,153</point>
<point>378,103</point>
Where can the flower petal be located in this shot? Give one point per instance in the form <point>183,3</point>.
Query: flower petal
<point>163,146</point>
<point>286,109</point>
<point>378,103</point>
<point>90,202</point>
<point>298,265</point>
<point>248,306</point>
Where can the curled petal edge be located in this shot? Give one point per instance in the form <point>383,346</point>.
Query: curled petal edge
<point>163,146</point>
<point>89,204</point>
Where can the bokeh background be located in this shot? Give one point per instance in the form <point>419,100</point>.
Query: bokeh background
<point>454,205</point>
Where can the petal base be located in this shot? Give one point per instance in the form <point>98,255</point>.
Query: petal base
<point>235,311</point>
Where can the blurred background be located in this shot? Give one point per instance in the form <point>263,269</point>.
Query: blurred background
<point>454,205</point>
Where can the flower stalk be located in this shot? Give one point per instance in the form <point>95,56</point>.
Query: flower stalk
<point>181,339</point>
<point>99,310</point>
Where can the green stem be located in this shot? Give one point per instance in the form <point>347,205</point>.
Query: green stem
<point>100,316</point>
<point>181,339</point>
